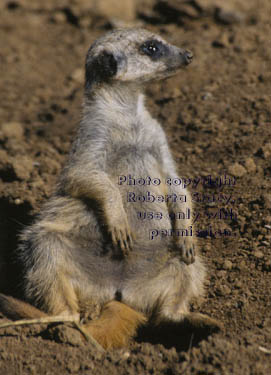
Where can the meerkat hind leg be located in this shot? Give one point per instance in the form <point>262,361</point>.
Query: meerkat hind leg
<point>193,328</point>
<point>117,324</point>
<point>202,323</point>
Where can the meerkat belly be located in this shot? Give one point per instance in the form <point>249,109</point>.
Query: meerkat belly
<point>145,199</point>
<point>147,210</point>
<point>83,245</point>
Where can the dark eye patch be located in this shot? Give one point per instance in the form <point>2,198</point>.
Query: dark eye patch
<point>154,49</point>
<point>100,69</point>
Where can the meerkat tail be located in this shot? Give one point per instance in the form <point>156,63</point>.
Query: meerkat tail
<point>116,325</point>
<point>15,309</point>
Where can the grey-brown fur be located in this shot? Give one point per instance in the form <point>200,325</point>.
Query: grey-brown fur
<point>70,255</point>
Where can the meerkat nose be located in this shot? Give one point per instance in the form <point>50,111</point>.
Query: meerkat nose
<point>188,55</point>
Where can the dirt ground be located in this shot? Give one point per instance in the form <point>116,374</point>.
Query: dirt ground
<point>217,116</point>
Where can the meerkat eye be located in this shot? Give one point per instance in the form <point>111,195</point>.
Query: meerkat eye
<point>153,48</point>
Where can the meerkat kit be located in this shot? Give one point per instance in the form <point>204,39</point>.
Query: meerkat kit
<point>88,247</point>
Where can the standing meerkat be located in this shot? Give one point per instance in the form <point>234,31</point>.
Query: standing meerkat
<point>87,246</point>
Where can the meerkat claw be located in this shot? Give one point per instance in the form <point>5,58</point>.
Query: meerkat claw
<point>122,239</point>
<point>187,254</point>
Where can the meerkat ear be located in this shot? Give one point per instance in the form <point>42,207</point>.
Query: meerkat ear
<point>100,69</point>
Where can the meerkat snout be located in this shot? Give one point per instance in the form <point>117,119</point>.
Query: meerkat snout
<point>185,56</point>
<point>188,56</point>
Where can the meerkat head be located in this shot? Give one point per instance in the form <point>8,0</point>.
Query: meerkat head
<point>132,55</point>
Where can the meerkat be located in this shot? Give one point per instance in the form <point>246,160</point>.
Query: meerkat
<point>88,246</point>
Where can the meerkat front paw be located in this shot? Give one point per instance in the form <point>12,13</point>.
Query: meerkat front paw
<point>187,251</point>
<point>121,234</point>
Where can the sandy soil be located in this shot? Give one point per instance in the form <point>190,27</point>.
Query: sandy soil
<point>217,115</point>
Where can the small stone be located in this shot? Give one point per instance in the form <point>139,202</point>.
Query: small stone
<point>267,200</point>
<point>227,265</point>
<point>242,265</point>
<point>23,167</point>
<point>227,304</point>
<point>66,335</point>
<point>237,170</point>
<point>12,129</point>
<point>207,95</point>
<point>126,355</point>
<point>223,290</point>
<point>176,92</point>
<point>218,43</point>
<point>4,158</point>
<point>238,284</point>
<point>72,366</point>
<point>267,150</point>
<point>113,8</point>
<point>78,75</point>
<point>17,201</point>
<point>226,289</point>
<point>250,165</point>
<point>221,274</point>
<point>267,265</point>
<point>198,150</point>
<point>228,17</point>
<point>59,17</point>
<point>258,254</point>
<point>85,22</point>
<point>218,292</point>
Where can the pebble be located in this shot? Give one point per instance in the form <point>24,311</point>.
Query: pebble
<point>12,129</point>
<point>267,150</point>
<point>221,274</point>
<point>207,95</point>
<point>227,265</point>
<point>267,200</point>
<point>4,156</point>
<point>78,75</point>
<point>228,17</point>
<point>176,92</point>
<point>59,17</point>
<point>220,42</point>
<point>267,265</point>
<point>237,170</point>
<point>258,254</point>
<point>126,355</point>
<point>223,290</point>
<point>242,265</point>
<point>226,289</point>
<point>23,166</point>
<point>250,165</point>
<point>66,335</point>
<point>113,8</point>
<point>238,284</point>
